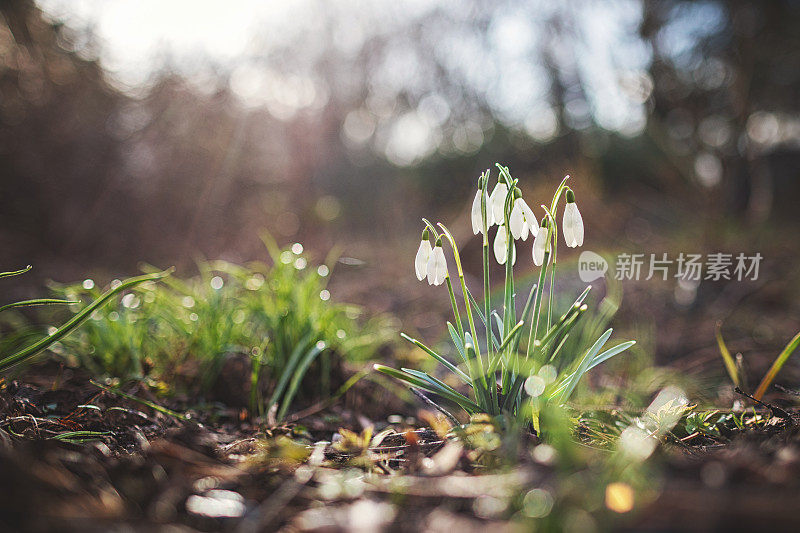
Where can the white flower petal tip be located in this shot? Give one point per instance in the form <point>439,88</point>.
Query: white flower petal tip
<point>573,225</point>
<point>477,217</point>
<point>437,267</point>
<point>530,219</point>
<point>421,260</point>
<point>501,247</point>
<point>498,201</point>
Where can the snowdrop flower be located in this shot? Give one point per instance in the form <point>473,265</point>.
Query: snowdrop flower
<point>437,265</point>
<point>501,246</point>
<point>477,217</point>
<point>498,200</point>
<point>423,255</point>
<point>573,222</point>
<point>522,220</point>
<point>540,244</point>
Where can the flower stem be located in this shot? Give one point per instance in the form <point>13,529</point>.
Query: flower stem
<point>456,314</point>
<point>471,321</point>
<point>486,290</point>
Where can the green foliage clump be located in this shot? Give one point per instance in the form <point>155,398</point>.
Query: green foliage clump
<point>277,316</point>
<point>21,346</point>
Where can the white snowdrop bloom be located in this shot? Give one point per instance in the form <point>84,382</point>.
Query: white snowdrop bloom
<point>573,222</point>
<point>522,220</point>
<point>423,255</point>
<point>539,246</point>
<point>477,218</point>
<point>437,266</point>
<point>498,200</point>
<point>501,247</point>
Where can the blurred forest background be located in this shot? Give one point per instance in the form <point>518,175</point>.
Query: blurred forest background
<point>161,131</point>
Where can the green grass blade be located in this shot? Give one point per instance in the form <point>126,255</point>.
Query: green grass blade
<point>600,358</point>
<point>459,344</point>
<point>579,300</point>
<point>611,352</point>
<point>450,366</point>
<point>526,313</point>
<point>298,376</point>
<point>565,323</point>
<point>288,369</point>
<point>15,272</point>
<point>583,367</point>
<point>36,302</point>
<point>477,309</point>
<point>557,348</point>
<point>512,335</point>
<point>499,322</point>
<point>80,437</point>
<point>436,382</point>
<point>459,399</point>
<point>776,367</point>
<point>148,403</point>
<point>77,320</point>
<point>730,364</point>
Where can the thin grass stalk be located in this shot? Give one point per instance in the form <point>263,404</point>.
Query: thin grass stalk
<point>15,272</point>
<point>776,367</point>
<point>36,302</point>
<point>730,364</point>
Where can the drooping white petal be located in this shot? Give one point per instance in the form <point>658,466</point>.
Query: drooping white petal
<point>477,219</point>
<point>421,260</point>
<point>498,200</point>
<point>539,245</point>
<point>516,221</point>
<point>500,244</point>
<point>431,268</point>
<point>566,228</point>
<point>501,247</point>
<point>530,219</point>
<point>437,267</point>
<point>573,225</point>
<point>441,268</point>
<point>578,226</point>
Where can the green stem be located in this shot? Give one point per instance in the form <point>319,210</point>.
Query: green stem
<point>553,212</point>
<point>552,277</point>
<point>486,290</point>
<point>453,303</point>
<point>471,321</point>
<point>538,302</point>
<point>508,312</point>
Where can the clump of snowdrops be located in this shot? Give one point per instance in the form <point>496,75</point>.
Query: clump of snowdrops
<point>504,375</point>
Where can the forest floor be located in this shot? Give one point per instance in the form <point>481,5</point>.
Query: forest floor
<point>76,457</point>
